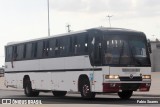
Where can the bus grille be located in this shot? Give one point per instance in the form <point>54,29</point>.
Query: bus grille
<point>132,86</point>
<point>130,79</point>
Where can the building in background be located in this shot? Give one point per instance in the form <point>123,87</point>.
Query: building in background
<point>155,55</point>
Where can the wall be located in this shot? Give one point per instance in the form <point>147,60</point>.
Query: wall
<point>155,56</point>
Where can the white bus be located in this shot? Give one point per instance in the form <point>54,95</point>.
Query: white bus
<point>97,60</point>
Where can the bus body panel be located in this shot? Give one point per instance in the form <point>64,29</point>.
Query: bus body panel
<point>53,74</point>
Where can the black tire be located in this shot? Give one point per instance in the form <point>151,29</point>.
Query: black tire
<point>125,94</point>
<point>35,93</point>
<point>28,90</point>
<point>59,93</point>
<point>85,90</point>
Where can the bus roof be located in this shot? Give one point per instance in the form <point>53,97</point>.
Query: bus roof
<point>104,29</point>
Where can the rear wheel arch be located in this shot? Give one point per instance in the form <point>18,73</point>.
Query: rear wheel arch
<point>27,85</point>
<point>25,79</point>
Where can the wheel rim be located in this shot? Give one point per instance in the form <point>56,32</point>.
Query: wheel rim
<point>85,90</point>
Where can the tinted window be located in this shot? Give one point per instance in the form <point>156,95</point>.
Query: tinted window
<point>70,46</point>
<point>57,50</point>
<point>86,43</point>
<point>62,46</point>
<point>28,50</point>
<point>82,44</point>
<point>45,48</point>
<point>53,47</point>
<point>14,53</point>
<point>9,53</point>
<point>24,52</point>
<point>34,50</point>
<point>67,46</point>
<point>52,43</point>
<point>20,49</point>
<point>75,45</point>
<point>39,49</point>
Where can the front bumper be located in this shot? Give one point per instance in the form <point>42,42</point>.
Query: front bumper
<point>117,87</point>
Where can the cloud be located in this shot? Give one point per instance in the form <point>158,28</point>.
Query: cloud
<point>68,5</point>
<point>128,8</point>
<point>90,5</point>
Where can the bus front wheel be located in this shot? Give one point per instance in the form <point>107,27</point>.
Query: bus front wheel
<point>85,90</point>
<point>125,94</point>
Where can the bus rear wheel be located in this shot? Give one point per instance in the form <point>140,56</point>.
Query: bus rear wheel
<point>28,90</point>
<point>59,93</point>
<point>125,94</point>
<point>85,90</point>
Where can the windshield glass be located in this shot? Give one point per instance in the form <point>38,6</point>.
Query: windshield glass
<point>125,50</point>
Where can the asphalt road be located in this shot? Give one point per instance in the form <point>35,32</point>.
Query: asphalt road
<point>74,100</point>
<point>48,98</point>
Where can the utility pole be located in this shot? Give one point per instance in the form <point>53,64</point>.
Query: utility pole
<point>68,27</point>
<point>109,20</point>
<point>48,18</point>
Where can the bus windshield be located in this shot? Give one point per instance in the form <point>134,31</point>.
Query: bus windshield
<point>125,50</point>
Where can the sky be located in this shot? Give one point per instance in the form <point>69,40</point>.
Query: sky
<point>27,19</point>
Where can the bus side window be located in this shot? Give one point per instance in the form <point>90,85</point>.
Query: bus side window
<point>82,44</point>
<point>34,50</point>
<point>45,48</point>
<point>39,49</point>
<point>75,45</point>
<point>14,55</point>
<point>28,50</point>
<point>9,53</point>
<point>24,51</point>
<point>70,48</point>
<point>67,46</point>
<point>20,49</point>
<point>86,44</point>
<point>57,48</point>
<point>52,43</point>
<point>62,46</point>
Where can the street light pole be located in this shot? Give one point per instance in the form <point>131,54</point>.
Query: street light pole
<point>109,20</point>
<point>48,19</point>
<point>68,27</point>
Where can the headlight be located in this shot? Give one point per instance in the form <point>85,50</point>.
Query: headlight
<point>111,76</point>
<point>146,76</point>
